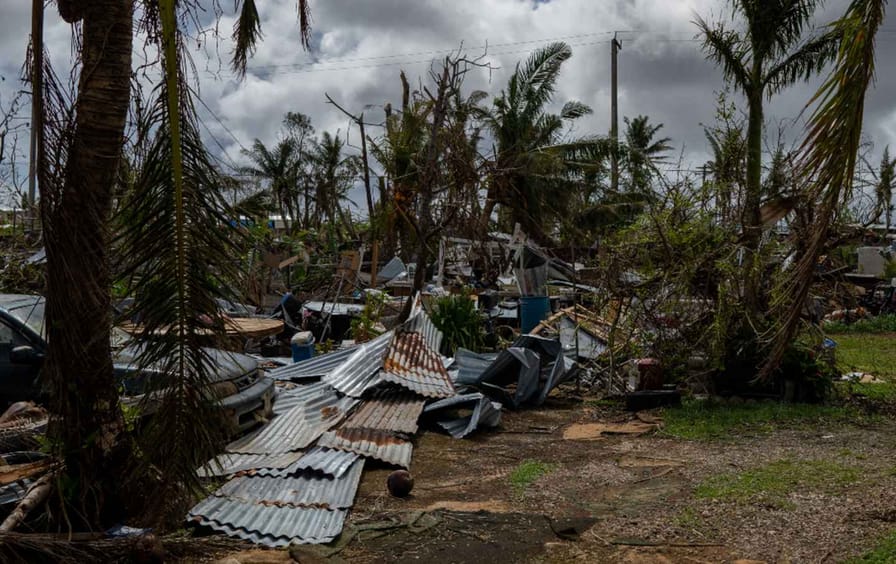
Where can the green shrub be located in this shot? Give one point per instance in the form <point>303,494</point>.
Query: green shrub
<point>460,323</point>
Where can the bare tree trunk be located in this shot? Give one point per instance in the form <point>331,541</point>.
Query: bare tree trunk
<point>86,424</point>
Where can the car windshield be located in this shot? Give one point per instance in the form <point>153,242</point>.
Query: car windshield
<point>31,314</point>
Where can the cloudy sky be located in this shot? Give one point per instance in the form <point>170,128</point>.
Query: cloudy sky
<point>359,47</point>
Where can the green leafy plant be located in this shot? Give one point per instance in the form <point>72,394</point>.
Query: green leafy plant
<point>528,472</point>
<point>364,326</point>
<point>460,322</point>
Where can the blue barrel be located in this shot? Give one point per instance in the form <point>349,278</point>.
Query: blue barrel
<point>533,310</point>
<point>302,352</point>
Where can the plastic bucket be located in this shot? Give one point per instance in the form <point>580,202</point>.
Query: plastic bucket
<point>533,310</point>
<point>302,351</point>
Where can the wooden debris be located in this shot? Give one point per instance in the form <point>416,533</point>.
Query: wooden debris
<point>37,494</point>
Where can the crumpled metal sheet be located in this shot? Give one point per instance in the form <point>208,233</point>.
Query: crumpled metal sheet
<point>269,525</point>
<point>371,443</point>
<point>486,413</point>
<point>231,463</point>
<point>305,489</point>
<point>411,363</point>
<point>316,367</point>
<point>470,366</point>
<point>558,372</point>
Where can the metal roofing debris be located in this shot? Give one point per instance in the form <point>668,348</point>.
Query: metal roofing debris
<point>306,489</point>
<point>270,525</point>
<point>327,461</point>
<point>371,443</point>
<point>419,322</point>
<point>411,363</point>
<point>333,308</point>
<point>387,411</point>
<point>470,365</point>
<point>486,413</point>
<point>315,367</point>
<point>298,427</point>
<point>359,371</point>
<point>231,463</point>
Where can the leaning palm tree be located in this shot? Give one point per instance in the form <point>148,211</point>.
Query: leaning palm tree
<point>771,52</point>
<point>525,170</point>
<point>830,152</point>
<point>279,168</point>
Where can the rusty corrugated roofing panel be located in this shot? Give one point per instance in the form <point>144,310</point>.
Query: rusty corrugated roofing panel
<point>371,443</point>
<point>306,489</point>
<point>411,363</point>
<point>359,372</point>
<point>231,463</point>
<point>419,322</point>
<point>388,410</point>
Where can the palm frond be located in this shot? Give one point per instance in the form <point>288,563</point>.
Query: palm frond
<point>175,246</point>
<point>726,48</point>
<point>810,59</point>
<point>246,35</point>
<point>575,110</point>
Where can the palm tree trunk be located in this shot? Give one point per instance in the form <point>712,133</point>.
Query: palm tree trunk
<point>87,426</point>
<point>752,227</point>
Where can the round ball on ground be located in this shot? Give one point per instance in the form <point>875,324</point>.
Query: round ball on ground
<point>400,483</point>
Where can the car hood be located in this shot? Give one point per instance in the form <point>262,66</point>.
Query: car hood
<point>227,365</point>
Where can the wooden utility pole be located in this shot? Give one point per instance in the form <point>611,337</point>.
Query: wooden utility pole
<point>614,113</point>
<point>37,97</point>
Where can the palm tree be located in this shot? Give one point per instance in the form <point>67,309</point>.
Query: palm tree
<point>280,168</point>
<point>525,168</point>
<point>769,54</point>
<point>883,188</point>
<point>643,152</point>
<point>830,153</point>
<point>333,175</point>
<point>78,166</point>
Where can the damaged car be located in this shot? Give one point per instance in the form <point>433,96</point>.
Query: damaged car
<point>242,390</point>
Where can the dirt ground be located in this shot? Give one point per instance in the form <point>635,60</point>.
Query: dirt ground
<point>620,498</point>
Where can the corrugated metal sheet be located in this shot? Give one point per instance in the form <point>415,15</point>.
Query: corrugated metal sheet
<point>470,366</point>
<point>231,463</point>
<point>299,427</point>
<point>269,525</point>
<point>411,363</point>
<point>370,443</point>
<point>316,367</point>
<point>359,372</point>
<point>306,489</point>
<point>289,398</point>
<point>387,411</point>
<point>419,322</point>
<point>322,460</point>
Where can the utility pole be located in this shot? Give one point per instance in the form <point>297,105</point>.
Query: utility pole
<point>37,96</point>
<point>614,113</point>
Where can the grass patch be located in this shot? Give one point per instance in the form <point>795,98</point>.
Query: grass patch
<point>528,472</point>
<point>879,324</point>
<point>711,420</point>
<point>872,353</point>
<point>772,482</point>
<point>883,553</point>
